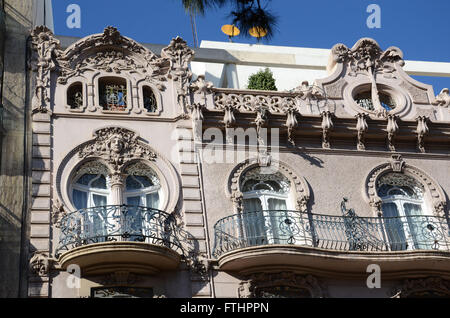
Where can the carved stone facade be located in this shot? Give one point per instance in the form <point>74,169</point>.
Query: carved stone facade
<point>397,164</point>
<point>431,287</point>
<point>285,284</point>
<point>318,140</point>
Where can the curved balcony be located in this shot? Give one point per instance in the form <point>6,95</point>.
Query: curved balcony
<point>325,244</point>
<point>120,238</point>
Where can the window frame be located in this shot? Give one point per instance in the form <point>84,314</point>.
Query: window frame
<point>399,200</point>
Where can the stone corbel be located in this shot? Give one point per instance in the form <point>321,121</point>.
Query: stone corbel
<point>228,117</point>
<point>291,123</point>
<point>422,130</point>
<point>264,159</point>
<point>397,163</point>
<point>40,263</point>
<point>392,129</point>
<point>327,126</point>
<point>197,111</point>
<point>361,128</point>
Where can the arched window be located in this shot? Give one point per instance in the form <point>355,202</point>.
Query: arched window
<point>75,96</point>
<point>101,217</point>
<point>142,187</point>
<point>266,203</point>
<point>364,100</point>
<point>404,211</point>
<point>90,187</point>
<point>113,93</point>
<point>90,196</point>
<point>264,191</point>
<point>149,99</point>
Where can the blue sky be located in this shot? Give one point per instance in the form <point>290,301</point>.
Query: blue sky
<point>421,29</point>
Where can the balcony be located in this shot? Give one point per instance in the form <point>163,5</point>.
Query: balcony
<point>120,238</point>
<point>290,240</point>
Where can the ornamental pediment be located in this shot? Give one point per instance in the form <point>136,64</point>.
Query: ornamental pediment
<point>113,53</point>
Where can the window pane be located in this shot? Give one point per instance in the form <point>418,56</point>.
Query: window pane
<point>134,200</point>
<point>86,178</point>
<point>132,222</point>
<point>254,222</point>
<point>262,186</point>
<point>79,199</point>
<point>146,182</point>
<point>418,226</point>
<point>394,227</point>
<point>99,200</point>
<point>251,205</point>
<point>153,200</point>
<point>132,183</point>
<point>99,183</point>
<point>277,204</point>
<point>280,221</point>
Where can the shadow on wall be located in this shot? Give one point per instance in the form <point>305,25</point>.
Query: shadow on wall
<point>10,238</point>
<point>314,161</point>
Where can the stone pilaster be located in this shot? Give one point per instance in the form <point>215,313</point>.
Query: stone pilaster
<point>40,200</point>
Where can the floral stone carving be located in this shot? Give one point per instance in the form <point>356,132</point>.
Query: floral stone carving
<point>47,50</point>
<point>117,146</point>
<point>270,285</point>
<point>366,57</point>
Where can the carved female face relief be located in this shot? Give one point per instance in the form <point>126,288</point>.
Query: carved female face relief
<point>116,144</point>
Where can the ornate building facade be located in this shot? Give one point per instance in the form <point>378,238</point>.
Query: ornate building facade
<point>148,182</point>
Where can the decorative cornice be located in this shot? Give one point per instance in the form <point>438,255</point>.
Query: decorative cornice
<point>367,58</point>
<point>113,53</point>
<point>365,54</point>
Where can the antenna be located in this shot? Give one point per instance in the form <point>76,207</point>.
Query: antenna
<point>230,30</point>
<point>257,32</point>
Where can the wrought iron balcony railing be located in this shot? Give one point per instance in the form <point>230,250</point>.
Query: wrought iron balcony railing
<point>342,233</point>
<point>121,223</point>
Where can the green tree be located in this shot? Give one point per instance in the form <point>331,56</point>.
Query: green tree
<point>263,80</point>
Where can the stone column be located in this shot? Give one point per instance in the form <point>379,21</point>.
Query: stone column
<point>117,185</point>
